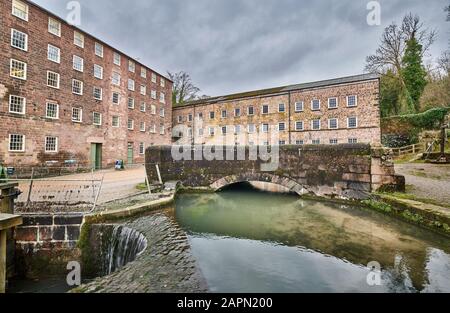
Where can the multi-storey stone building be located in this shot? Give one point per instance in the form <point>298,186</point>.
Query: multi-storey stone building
<point>67,97</point>
<point>336,111</point>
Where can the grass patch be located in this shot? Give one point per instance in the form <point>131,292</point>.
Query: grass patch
<point>409,196</point>
<point>142,186</point>
<point>378,206</point>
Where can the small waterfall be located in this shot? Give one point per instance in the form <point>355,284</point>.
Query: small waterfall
<point>126,244</point>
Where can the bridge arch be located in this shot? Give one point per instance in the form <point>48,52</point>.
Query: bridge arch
<point>286,182</point>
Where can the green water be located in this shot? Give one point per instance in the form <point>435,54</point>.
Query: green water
<point>247,241</point>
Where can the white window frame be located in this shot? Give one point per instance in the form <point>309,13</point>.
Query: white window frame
<point>96,69</point>
<point>262,109</point>
<point>58,80</point>
<point>56,144</point>
<point>58,55</point>
<point>80,115</point>
<point>154,78</point>
<point>162,112</point>
<point>131,84</point>
<point>143,72</point>
<point>356,122</point>
<point>153,109</point>
<point>118,98</point>
<point>130,103</point>
<point>162,82</point>
<point>280,106</point>
<point>162,97</point>
<point>118,121</point>
<point>284,126</point>
<point>263,130</point>
<point>141,148</point>
<point>356,101</point>
<point>142,129</point>
<point>14,13</point>
<point>25,48</point>
<point>78,39</point>
<point>93,119</point>
<point>143,107</point>
<point>337,102</point>
<point>23,143</point>
<point>211,131</point>
<point>299,142</point>
<point>81,85</point>
<point>312,124</point>
<point>78,58</point>
<point>329,123</point>
<point>54,29</point>
<point>153,94</point>
<point>98,49</point>
<point>143,90</point>
<point>253,110</point>
<point>132,124</point>
<point>297,104</point>
<point>24,69</point>
<point>23,104</point>
<point>131,66</point>
<point>115,78</point>
<point>117,58</point>
<point>251,131</point>
<point>312,105</point>
<point>334,141</point>
<point>299,129</point>
<point>101,93</point>
<point>222,115</point>
<point>57,110</point>
<point>352,141</point>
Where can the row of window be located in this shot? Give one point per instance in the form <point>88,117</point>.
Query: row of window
<point>18,69</point>
<point>17,105</point>
<point>17,144</point>
<point>352,101</point>
<point>352,122</point>
<point>19,40</point>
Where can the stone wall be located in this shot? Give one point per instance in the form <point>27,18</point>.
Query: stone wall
<point>349,171</point>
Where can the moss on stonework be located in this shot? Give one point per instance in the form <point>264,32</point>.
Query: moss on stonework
<point>378,206</point>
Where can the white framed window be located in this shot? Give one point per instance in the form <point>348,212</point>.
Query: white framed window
<point>131,103</point>
<point>141,148</point>
<point>130,84</point>
<point>265,109</point>
<point>352,140</point>
<point>237,129</point>
<point>333,103</point>
<point>98,93</point>
<point>162,97</point>
<point>115,98</point>
<point>153,109</point>
<point>282,142</point>
<point>131,66</point>
<point>97,118</point>
<point>281,108</point>
<point>315,105</point>
<point>282,126</point>
<point>77,115</point>
<point>78,39</point>
<point>200,132</point>
<point>18,69</point>
<point>98,71</point>
<point>162,129</point>
<point>224,113</point>
<point>53,54</point>
<point>180,118</point>
<point>54,27</point>
<point>163,82</point>
<point>200,115</point>
<point>143,107</point>
<point>299,106</point>
<point>212,115</point>
<point>153,94</point>
<point>316,141</point>
<point>265,128</point>
<point>251,128</point>
<point>17,104</point>
<point>352,122</point>
<point>211,131</point>
<point>153,129</point>
<point>237,112</point>
<point>162,112</point>
<point>130,124</point>
<point>53,79</point>
<point>190,117</point>
<point>52,110</point>
<point>250,110</point>
<point>224,130</point>
<point>19,40</point>
<point>333,141</point>
<point>98,49</point>
<point>143,90</point>
<point>78,63</point>
<point>51,144</point>
<point>352,101</point>
<point>300,142</point>
<point>142,126</point>
<point>77,87</point>
<point>333,123</point>
<point>153,78</point>
<point>115,121</point>
<point>143,72</point>
<point>299,126</point>
<point>20,10</point>
<point>116,58</point>
<point>315,124</point>
<point>115,80</point>
<point>16,143</point>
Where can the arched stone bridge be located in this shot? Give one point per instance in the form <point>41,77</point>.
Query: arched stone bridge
<point>347,171</point>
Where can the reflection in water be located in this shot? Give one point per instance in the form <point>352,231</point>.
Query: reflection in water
<point>247,241</point>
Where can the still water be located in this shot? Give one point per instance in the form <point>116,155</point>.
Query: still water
<point>249,241</point>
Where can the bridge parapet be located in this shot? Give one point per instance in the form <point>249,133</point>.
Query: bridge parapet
<point>346,171</point>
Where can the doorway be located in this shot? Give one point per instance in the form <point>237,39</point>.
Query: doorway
<point>96,155</point>
<point>130,153</point>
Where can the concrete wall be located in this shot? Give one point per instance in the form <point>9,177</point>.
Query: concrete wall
<point>349,171</point>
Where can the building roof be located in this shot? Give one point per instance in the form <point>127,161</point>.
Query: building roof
<point>283,89</point>
<point>93,37</point>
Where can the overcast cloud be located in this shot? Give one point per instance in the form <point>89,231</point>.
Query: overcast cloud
<point>236,45</point>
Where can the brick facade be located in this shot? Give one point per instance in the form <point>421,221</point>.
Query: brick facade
<point>74,139</point>
<point>366,111</point>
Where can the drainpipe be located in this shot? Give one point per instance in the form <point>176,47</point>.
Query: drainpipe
<point>289,119</point>
<point>193,127</point>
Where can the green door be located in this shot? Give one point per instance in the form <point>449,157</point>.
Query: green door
<point>96,155</point>
<point>130,153</point>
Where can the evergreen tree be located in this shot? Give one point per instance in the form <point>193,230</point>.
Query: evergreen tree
<point>390,90</point>
<point>413,74</point>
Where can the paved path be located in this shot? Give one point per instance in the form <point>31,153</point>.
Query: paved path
<point>429,181</point>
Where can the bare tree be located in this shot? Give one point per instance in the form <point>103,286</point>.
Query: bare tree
<point>447,9</point>
<point>390,53</point>
<point>183,87</point>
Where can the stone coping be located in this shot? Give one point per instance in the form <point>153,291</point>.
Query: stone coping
<point>8,221</point>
